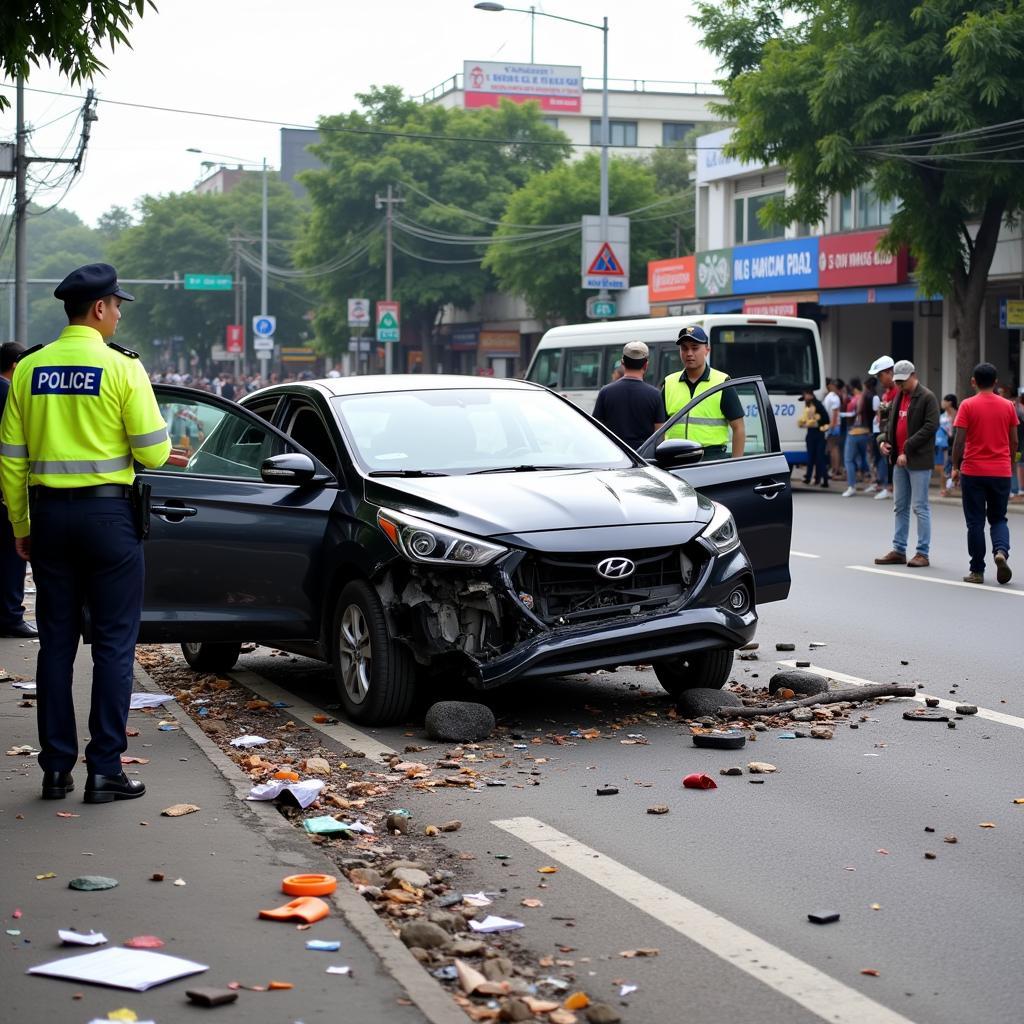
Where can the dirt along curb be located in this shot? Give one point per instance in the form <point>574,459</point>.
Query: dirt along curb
<point>431,999</point>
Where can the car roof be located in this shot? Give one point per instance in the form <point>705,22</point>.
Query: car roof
<point>380,383</point>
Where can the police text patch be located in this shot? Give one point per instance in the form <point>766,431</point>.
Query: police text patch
<point>66,380</point>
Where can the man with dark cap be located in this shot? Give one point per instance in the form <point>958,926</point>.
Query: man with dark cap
<point>708,422</point>
<point>628,406</point>
<point>80,412</point>
<point>12,565</point>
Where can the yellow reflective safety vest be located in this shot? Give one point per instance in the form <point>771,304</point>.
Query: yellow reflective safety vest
<point>78,414</point>
<point>705,423</point>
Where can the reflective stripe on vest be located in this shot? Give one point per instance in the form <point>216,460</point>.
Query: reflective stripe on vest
<point>705,423</point>
<point>82,466</point>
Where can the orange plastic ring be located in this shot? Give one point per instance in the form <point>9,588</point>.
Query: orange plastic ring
<point>309,885</point>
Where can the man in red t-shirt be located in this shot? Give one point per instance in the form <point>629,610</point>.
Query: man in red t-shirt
<point>984,451</point>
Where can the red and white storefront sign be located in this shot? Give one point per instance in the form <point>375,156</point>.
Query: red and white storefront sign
<point>853,260</point>
<point>555,87</point>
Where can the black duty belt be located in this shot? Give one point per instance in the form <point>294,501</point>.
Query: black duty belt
<point>76,493</point>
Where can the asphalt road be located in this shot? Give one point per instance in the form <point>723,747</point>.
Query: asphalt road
<point>723,883</point>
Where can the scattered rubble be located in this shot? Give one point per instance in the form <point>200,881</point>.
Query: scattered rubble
<point>702,700</point>
<point>459,721</point>
<point>799,681</point>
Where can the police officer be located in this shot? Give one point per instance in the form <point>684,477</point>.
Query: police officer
<point>12,565</point>
<point>79,412</point>
<point>710,421</point>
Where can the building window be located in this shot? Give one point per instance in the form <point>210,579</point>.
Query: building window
<point>863,209</point>
<point>747,225</point>
<point>674,132</point>
<point>620,133</point>
<point>551,122</point>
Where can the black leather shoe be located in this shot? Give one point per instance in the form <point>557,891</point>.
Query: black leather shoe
<point>103,789</point>
<point>57,785</point>
<point>22,630</point>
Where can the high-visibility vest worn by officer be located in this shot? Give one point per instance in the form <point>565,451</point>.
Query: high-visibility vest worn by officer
<point>704,423</point>
<point>78,413</point>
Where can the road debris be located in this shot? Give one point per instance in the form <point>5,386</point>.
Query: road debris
<point>92,883</point>
<point>631,954</point>
<point>966,709</point>
<point>309,909</point>
<point>211,996</point>
<point>658,809</point>
<point>716,739</point>
<point>699,780</point>
<point>180,810</point>
<point>73,938</point>
<point>851,695</point>
<point>607,791</point>
<point>761,768</point>
<point>493,923</point>
<point>824,917</point>
<point>459,721</point>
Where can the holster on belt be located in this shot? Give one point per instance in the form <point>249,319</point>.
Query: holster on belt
<point>140,507</point>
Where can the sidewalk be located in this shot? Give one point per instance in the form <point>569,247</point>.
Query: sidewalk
<point>232,855</point>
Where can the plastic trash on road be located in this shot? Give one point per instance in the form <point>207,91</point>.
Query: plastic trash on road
<point>304,792</point>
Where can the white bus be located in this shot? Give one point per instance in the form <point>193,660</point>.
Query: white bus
<point>578,359</point>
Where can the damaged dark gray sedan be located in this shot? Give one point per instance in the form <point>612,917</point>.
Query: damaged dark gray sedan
<point>409,527</point>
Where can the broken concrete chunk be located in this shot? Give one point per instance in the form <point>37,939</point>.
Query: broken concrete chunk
<point>761,768</point>
<point>966,709</point>
<point>799,681</point>
<point>704,701</point>
<point>785,647</point>
<point>411,876</point>
<point>601,1013</point>
<point>821,732</point>
<point>423,934</point>
<point>459,720</point>
<point>730,771</point>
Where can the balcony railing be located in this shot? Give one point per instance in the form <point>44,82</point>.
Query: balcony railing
<point>643,85</point>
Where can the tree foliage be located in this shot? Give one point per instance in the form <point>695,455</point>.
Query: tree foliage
<point>67,33</point>
<point>846,92</point>
<point>547,274</point>
<point>468,182</point>
<point>186,233</point>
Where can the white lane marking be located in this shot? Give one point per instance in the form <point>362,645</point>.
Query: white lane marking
<point>343,733</point>
<point>815,991</point>
<point>802,554</point>
<point>935,579</point>
<point>949,705</point>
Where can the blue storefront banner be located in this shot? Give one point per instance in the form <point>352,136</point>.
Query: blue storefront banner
<point>787,266</point>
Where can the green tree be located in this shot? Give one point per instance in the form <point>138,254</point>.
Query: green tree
<point>113,221</point>
<point>451,184</point>
<point>187,232</point>
<point>847,92</point>
<point>58,241</point>
<point>65,32</point>
<point>547,273</point>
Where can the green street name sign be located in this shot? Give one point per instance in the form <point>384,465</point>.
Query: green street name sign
<point>208,282</point>
<point>598,308</point>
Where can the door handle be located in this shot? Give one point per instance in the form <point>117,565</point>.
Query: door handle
<point>771,489</point>
<point>179,511</point>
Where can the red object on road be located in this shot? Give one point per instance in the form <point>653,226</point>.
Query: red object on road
<point>699,780</point>
<point>144,942</point>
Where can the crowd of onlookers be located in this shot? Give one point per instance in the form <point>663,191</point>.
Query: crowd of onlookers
<point>843,432</point>
<point>227,385</point>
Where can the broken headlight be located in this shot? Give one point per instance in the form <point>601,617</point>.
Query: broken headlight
<point>421,541</point>
<point>721,531</point>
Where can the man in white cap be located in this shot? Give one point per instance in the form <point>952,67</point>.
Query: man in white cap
<point>881,370</point>
<point>908,442</point>
<point>628,406</point>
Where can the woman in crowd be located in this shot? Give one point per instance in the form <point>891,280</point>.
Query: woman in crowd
<point>860,414</point>
<point>815,419</point>
<point>944,437</point>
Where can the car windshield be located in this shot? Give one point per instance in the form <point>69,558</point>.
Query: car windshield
<point>472,429</point>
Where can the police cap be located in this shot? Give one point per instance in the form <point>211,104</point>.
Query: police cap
<point>93,281</point>
<point>693,333</point>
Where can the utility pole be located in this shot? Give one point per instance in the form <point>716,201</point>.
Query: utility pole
<point>389,203</point>
<point>21,199</point>
<point>20,224</point>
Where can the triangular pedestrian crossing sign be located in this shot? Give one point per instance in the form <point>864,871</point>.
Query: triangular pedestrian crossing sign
<point>388,321</point>
<point>606,263</point>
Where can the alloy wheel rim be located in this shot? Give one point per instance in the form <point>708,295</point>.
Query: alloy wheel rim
<point>355,660</point>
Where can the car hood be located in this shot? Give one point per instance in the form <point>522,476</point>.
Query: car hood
<point>493,505</point>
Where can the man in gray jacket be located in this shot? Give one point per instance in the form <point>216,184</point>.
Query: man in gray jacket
<point>908,442</point>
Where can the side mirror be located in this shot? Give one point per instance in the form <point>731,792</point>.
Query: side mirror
<point>678,452</point>
<point>291,468</point>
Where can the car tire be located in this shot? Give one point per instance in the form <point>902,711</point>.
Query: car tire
<point>211,657</point>
<point>375,676</point>
<point>708,669</point>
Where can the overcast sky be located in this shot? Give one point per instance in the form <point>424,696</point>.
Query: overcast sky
<point>295,60</point>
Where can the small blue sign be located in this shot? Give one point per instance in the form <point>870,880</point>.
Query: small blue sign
<point>66,380</point>
<point>785,266</point>
<point>264,326</point>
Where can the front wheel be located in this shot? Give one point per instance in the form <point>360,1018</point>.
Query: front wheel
<point>685,671</point>
<point>211,657</point>
<point>375,675</point>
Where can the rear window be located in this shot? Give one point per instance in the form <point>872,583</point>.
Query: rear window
<point>786,357</point>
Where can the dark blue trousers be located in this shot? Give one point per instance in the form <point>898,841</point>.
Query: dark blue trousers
<point>85,552</point>
<point>817,456</point>
<point>12,577</point>
<point>985,497</point>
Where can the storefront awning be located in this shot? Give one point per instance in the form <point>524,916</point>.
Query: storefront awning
<point>867,296</point>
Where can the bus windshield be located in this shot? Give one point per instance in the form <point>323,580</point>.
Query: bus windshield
<point>785,357</point>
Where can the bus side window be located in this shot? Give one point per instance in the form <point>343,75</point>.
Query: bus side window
<point>545,368</point>
<point>583,369</point>
<point>669,362</point>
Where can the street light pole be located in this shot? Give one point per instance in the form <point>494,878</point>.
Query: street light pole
<point>486,5</point>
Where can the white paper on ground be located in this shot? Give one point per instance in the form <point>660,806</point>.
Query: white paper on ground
<point>338,970</point>
<point>495,924</point>
<point>148,700</point>
<point>135,969</point>
<point>476,899</point>
<point>627,990</point>
<point>358,826</point>
<point>305,792</point>
<point>81,938</point>
<point>28,687</point>
<point>248,741</point>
